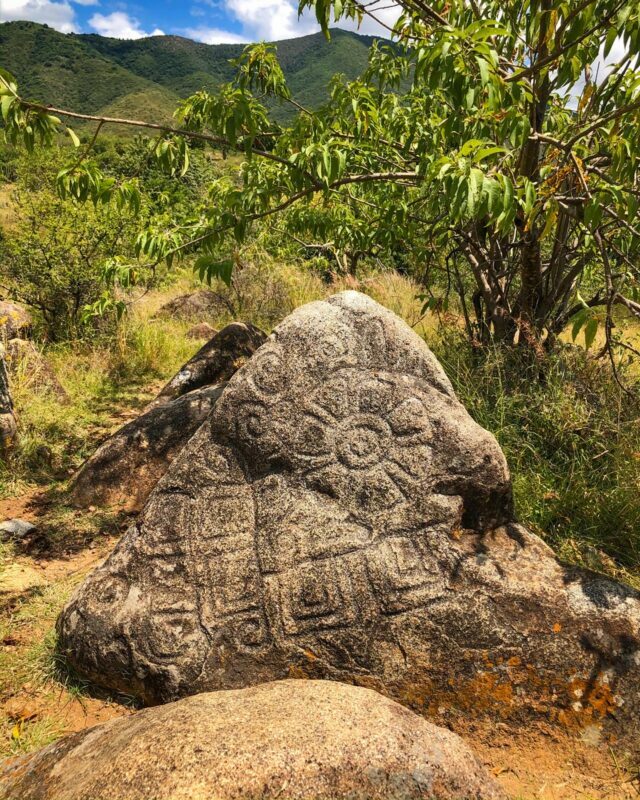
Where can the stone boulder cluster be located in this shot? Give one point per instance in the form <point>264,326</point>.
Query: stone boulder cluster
<point>337,517</point>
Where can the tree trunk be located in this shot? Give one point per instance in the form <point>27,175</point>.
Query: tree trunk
<point>7,417</point>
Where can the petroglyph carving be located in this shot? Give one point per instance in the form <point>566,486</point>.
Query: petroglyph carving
<point>340,515</point>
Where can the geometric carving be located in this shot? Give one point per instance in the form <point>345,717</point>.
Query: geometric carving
<point>315,597</point>
<point>339,515</point>
<point>403,578</point>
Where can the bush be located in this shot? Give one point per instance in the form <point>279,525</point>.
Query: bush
<point>52,256</point>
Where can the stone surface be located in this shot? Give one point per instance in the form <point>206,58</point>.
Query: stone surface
<point>124,470</point>
<point>194,306</point>
<point>306,740</point>
<point>15,529</point>
<point>36,372</point>
<point>201,331</point>
<point>216,361</point>
<point>341,516</point>
<point>8,425</point>
<point>14,320</point>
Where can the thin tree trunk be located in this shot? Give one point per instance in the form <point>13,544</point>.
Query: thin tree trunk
<point>7,417</point>
<point>531,292</point>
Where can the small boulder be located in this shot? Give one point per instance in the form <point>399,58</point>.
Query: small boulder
<point>15,320</point>
<point>192,307</point>
<point>124,469</point>
<point>15,529</point>
<point>201,331</point>
<point>299,740</point>
<point>216,361</point>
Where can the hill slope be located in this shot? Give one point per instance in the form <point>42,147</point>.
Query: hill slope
<point>91,73</point>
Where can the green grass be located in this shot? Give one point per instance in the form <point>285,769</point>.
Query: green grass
<point>102,381</point>
<point>572,442</point>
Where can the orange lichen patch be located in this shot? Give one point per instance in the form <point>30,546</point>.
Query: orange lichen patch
<point>297,672</point>
<point>311,655</point>
<point>484,692</point>
<point>369,682</point>
<point>593,701</point>
<point>513,691</point>
<point>557,627</point>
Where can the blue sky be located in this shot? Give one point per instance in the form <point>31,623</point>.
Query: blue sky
<point>211,21</point>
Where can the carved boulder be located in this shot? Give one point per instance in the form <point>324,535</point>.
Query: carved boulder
<point>340,515</point>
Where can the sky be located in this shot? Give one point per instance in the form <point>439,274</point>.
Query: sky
<point>210,21</point>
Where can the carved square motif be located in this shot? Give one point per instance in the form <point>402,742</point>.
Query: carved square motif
<point>402,576</point>
<point>316,596</point>
<point>230,583</point>
<point>228,517</point>
<point>249,631</point>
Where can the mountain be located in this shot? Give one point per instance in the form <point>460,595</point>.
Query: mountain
<point>147,77</point>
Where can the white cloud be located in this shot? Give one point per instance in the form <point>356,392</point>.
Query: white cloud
<point>86,2</point>
<point>119,25</point>
<point>386,15</point>
<point>269,19</point>
<point>600,69</point>
<point>603,66</point>
<point>272,20</point>
<point>213,36</point>
<point>58,15</point>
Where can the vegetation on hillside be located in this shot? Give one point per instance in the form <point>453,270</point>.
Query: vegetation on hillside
<point>145,78</point>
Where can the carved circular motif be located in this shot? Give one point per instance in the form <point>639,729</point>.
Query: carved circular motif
<point>268,371</point>
<point>361,440</point>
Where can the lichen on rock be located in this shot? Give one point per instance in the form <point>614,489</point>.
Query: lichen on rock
<point>340,515</point>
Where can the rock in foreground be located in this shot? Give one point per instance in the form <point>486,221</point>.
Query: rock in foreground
<point>341,516</point>
<point>290,739</point>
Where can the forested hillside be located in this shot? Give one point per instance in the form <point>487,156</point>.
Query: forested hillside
<point>93,74</point>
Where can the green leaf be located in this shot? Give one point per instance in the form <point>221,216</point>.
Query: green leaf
<point>484,70</point>
<point>209,267</point>
<point>7,102</point>
<point>491,150</point>
<point>579,321</point>
<point>590,332</point>
<point>73,136</point>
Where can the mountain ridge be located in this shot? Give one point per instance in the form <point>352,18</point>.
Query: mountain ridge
<point>89,73</point>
